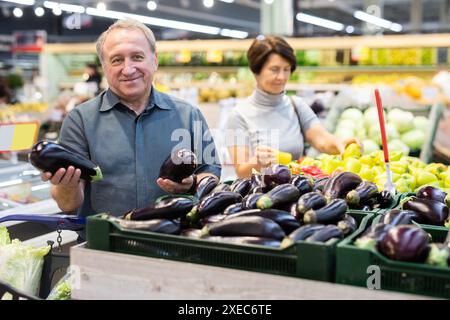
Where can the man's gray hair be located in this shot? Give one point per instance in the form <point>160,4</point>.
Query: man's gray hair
<point>125,24</point>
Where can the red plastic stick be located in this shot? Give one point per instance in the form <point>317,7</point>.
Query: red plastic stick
<point>382,128</point>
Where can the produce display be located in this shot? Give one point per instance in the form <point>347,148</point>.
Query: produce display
<point>409,173</point>
<point>405,132</point>
<point>274,209</point>
<point>397,238</point>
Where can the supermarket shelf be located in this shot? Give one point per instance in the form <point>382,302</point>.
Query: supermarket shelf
<point>191,69</point>
<point>103,275</point>
<point>383,69</point>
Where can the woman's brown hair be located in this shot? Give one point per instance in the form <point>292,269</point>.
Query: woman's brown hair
<point>264,46</point>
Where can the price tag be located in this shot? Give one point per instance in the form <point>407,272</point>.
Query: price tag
<point>18,136</point>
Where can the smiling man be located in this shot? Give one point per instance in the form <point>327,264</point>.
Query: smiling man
<point>128,130</point>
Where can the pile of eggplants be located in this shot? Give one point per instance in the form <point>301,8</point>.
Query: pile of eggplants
<point>397,238</point>
<point>276,209</point>
<point>429,206</point>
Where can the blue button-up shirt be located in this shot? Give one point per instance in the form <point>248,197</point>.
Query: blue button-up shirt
<point>130,149</point>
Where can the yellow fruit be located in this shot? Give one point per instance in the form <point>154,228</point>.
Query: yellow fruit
<point>352,165</point>
<point>353,150</point>
<point>424,177</point>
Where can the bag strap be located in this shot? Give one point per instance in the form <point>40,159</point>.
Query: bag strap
<point>297,114</point>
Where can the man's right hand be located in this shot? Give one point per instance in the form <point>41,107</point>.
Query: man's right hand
<point>69,177</point>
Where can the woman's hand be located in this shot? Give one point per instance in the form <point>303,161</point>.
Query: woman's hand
<point>265,155</point>
<point>175,187</point>
<point>344,143</point>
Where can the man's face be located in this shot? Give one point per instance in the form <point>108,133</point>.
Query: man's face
<point>129,64</point>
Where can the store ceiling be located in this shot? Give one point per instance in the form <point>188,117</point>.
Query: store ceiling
<point>243,15</point>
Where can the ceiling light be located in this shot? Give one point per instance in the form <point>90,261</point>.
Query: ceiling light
<point>71,8</point>
<point>39,11</point>
<point>166,23</point>
<point>208,3</point>
<point>151,5</point>
<point>350,29</point>
<point>227,1</point>
<point>234,33</point>
<point>380,22</point>
<point>303,17</point>
<point>101,6</point>
<point>17,12</point>
<point>25,2</point>
<point>57,11</point>
<point>268,1</point>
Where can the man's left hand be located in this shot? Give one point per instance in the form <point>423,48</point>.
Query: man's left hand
<point>175,187</point>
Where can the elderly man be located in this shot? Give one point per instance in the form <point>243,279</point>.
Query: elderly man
<point>128,130</point>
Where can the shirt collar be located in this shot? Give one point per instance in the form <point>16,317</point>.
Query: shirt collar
<point>110,100</point>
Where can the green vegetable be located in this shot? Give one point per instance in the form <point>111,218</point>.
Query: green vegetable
<point>62,290</point>
<point>414,139</point>
<point>20,265</point>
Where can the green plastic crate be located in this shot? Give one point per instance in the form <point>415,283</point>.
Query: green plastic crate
<point>415,278</point>
<point>304,259</point>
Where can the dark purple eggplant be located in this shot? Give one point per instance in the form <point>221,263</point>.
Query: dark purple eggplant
<point>433,193</point>
<point>372,237</point>
<point>286,221</point>
<point>278,196</point>
<point>221,187</point>
<point>233,208</point>
<point>347,224</point>
<point>320,183</point>
<point>276,175</point>
<point>205,186</point>
<point>300,234</point>
<point>213,203</point>
<point>303,184</point>
<point>170,208</point>
<point>268,242</point>
<point>339,185</point>
<point>256,178</point>
<point>328,232</point>
<point>438,255</point>
<point>241,186</point>
<point>211,219</point>
<point>433,211</point>
<point>191,233</point>
<point>385,199</point>
<point>405,243</point>
<point>257,189</point>
<point>396,217</point>
<point>249,202</point>
<point>245,226</point>
<point>333,212</point>
<point>308,201</point>
<point>155,225</point>
<point>360,196</point>
<point>178,165</point>
<point>51,156</point>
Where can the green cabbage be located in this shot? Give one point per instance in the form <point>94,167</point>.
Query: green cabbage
<point>352,114</point>
<point>370,146</point>
<point>20,265</point>
<point>421,123</point>
<point>62,290</point>
<point>375,132</point>
<point>402,120</point>
<point>398,145</point>
<point>413,139</point>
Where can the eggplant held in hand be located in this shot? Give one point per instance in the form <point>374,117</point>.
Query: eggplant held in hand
<point>51,156</point>
<point>178,165</point>
<point>405,243</point>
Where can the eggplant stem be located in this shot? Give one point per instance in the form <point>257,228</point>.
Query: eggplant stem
<point>98,174</point>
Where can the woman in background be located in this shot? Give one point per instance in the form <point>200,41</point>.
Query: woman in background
<point>270,121</point>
